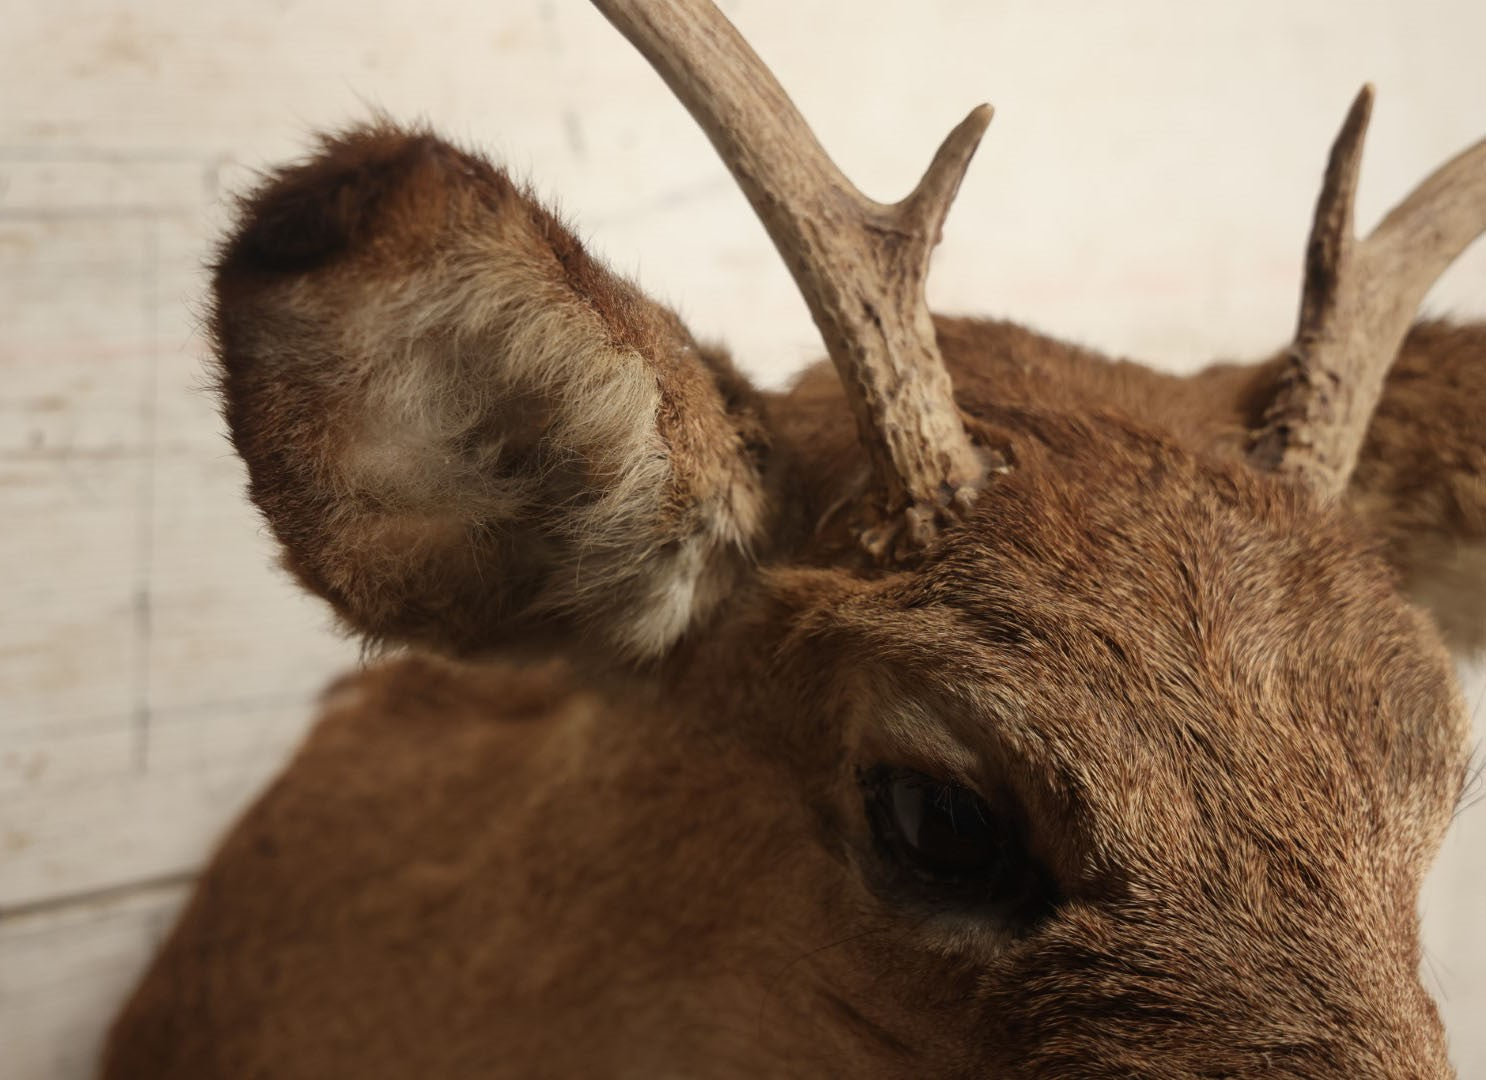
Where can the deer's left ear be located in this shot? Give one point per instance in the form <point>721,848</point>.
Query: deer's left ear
<point>1420,480</point>
<point>464,430</point>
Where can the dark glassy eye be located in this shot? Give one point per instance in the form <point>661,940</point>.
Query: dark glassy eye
<point>950,842</point>
<point>943,828</point>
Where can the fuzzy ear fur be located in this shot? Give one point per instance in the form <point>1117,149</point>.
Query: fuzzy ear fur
<point>464,430</point>
<point>1421,481</point>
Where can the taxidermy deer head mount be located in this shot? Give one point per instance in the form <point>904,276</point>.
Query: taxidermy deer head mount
<point>985,708</point>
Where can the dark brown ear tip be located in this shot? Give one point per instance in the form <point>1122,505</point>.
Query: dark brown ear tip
<point>308,214</point>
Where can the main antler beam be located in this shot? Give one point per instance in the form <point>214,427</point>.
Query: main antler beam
<point>1357,305</point>
<point>860,265</point>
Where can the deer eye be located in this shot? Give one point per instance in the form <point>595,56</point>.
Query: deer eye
<point>952,845</point>
<point>941,829</point>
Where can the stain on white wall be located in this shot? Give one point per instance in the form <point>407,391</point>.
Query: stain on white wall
<point>1145,188</point>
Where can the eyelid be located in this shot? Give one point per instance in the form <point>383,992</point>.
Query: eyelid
<point>916,734</point>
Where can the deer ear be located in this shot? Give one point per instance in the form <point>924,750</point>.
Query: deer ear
<point>1420,481</point>
<point>464,430</point>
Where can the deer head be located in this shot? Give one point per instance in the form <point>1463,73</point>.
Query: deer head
<point>986,708</point>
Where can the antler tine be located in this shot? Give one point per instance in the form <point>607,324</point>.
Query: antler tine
<point>1357,305</point>
<point>860,265</point>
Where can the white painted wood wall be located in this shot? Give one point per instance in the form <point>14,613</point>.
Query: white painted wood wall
<point>1145,188</point>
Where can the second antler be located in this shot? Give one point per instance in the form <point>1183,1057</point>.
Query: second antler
<point>860,265</point>
<point>1358,303</point>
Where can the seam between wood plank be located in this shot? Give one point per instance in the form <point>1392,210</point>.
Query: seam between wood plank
<point>103,894</point>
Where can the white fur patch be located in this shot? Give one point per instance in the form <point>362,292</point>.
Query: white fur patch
<point>444,376</point>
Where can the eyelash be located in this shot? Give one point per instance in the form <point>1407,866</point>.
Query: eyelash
<point>941,843</point>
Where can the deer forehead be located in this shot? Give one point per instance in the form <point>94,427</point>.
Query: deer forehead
<point>1173,659</point>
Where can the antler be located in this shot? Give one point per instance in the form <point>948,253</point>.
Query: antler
<point>1358,303</point>
<point>861,265</point>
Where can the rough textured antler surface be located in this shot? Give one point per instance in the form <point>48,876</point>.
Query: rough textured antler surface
<point>1358,302</point>
<point>861,265</point>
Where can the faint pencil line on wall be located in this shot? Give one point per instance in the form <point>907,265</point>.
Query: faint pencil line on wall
<point>143,597</point>
<point>79,212</point>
